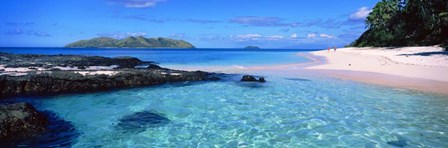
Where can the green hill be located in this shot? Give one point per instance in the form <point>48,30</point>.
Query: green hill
<point>130,42</point>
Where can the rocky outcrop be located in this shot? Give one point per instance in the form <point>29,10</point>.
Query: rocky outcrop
<point>22,126</point>
<point>249,78</point>
<point>20,121</point>
<point>58,82</point>
<point>56,74</point>
<point>47,61</point>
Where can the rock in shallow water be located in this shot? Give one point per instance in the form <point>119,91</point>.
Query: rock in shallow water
<point>20,121</point>
<point>140,121</point>
<point>399,142</point>
<point>249,78</point>
<point>31,128</point>
<point>58,133</point>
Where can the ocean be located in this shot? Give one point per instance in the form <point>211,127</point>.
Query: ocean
<point>284,112</point>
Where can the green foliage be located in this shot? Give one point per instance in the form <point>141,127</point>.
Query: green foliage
<point>406,23</point>
<point>130,42</point>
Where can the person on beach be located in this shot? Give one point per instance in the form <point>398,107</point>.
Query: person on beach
<point>328,49</point>
<point>334,48</point>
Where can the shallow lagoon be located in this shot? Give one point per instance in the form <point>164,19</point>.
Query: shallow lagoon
<point>284,112</point>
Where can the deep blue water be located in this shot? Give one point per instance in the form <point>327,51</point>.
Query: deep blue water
<point>187,57</point>
<point>284,112</point>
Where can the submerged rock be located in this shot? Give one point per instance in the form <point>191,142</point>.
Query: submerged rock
<point>249,78</point>
<point>20,121</point>
<point>58,133</point>
<point>399,142</point>
<point>140,121</point>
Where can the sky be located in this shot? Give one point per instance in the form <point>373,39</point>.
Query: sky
<point>292,24</point>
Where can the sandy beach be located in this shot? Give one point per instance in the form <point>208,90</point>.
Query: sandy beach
<point>417,68</point>
<point>421,68</point>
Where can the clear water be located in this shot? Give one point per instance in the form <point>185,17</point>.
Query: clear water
<point>313,112</point>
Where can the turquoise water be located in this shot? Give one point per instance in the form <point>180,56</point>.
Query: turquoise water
<point>284,112</point>
<point>280,113</point>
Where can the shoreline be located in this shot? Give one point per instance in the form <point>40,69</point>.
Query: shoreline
<point>379,70</point>
<point>416,68</point>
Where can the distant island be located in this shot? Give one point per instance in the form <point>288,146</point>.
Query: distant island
<point>130,42</point>
<point>251,47</point>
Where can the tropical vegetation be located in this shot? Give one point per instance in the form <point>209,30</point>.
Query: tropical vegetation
<point>406,23</point>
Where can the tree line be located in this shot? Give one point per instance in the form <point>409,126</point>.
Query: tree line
<point>394,23</point>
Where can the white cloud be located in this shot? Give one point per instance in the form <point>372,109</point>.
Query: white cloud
<point>361,14</point>
<point>274,37</point>
<point>137,3</point>
<point>311,35</point>
<point>246,37</point>
<point>327,36</point>
<point>294,36</point>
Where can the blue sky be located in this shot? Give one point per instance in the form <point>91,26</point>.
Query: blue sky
<point>206,24</point>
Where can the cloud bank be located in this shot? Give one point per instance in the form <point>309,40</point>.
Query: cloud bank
<point>137,3</point>
<point>27,32</point>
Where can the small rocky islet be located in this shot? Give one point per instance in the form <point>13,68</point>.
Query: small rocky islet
<point>252,47</point>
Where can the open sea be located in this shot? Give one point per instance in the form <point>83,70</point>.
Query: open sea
<point>284,112</point>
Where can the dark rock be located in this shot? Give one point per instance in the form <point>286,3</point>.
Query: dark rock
<point>58,133</point>
<point>20,121</point>
<point>37,60</point>
<point>62,81</point>
<point>153,66</point>
<point>81,67</point>
<point>249,78</point>
<point>400,142</point>
<point>127,62</point>
<point>140,121</point>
